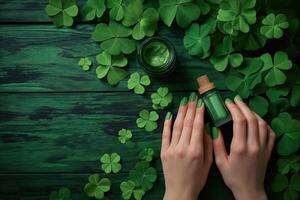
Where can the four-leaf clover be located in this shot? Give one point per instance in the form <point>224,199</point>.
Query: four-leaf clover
<point>137,83</point>
<point>273,25</point>
<point>62,194</point>
<point>128,188</point>
<point>124,135</point>
<point>110,163</point>
<point>147,120</point>
<point>162,98</point>
<point>85,63</point>
<point>93,8</point>
<point>97,186</point>
<point>146,154</point>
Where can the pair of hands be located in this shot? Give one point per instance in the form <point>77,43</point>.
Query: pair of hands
<point>187,151</point>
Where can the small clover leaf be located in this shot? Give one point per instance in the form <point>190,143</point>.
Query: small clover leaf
<point>85,63</point>
<point>128,188</point>
<point>279,183</point>
<point>110,66</point>
<point>237,15</point>
<point>117,9</point>
<point>147,120</point>
<point>289,163</point>
<point>96,186</point>
<point>110,163</point>
<point>203,6</point>
<point>124,135</point>
<point>272,67</point>
<point>137,83</point>
<point>197,40</point>
<point>143,175</point>
<point>291,188</point>
<point>185,12</point>
<point>273,25</point>
<point>62,194</point>
<point>62,12</point>
<point>259,105</point>
<point>275,93</point>
<point>114,38</point>
<point>93,8</point>
<point>146,154</point>
<point>162,98</point>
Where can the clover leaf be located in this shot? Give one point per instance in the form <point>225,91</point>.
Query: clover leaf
<point>223,55</point>
<point>203,6</point>
<point>62,12</point>
<point>197,40</point>
<point>290,187</point>
<point>117,9</point>
<point>289,135</point>
<point>273,25</point>
<point>93,8</point>
<point>272,68</point>
<point>110,163</point>
<point>275,93</point>
<point>143,175</point>
<point>237,15</point>
<point>96,186</point>
<point>110,66</point>
<point>162,98</point>
<point>62,194</point>
<point>137,83</point>
<point>185,12</point>
<point>288,164</point>
<point>85,63</point>
<point>124,135</point>
<point>295,96</point>
<point>147,120</point>
<point>259,105</point>
<point>128,188</point>
<point>146,154</point>
<point>114,38</point>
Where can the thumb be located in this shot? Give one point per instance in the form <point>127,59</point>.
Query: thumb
<point>219,148</point>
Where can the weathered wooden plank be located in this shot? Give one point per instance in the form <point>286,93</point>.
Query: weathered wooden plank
<point>42,58</point>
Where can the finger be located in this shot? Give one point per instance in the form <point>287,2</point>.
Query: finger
<point>178,125</point>
<point>271,139</point>
<point>252,124</point>
<point>189,120</point>
<point>262,131</point>
<point>208,148</point>
<point>221,155</point>
<point>198,127</point>
<point>166,136</point>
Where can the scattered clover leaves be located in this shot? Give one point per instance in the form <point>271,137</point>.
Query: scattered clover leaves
<point>93,8</point>
<point>137,83</point>
<point>290,187</point>
<point>273,25</point>
<point>128,188</point>
<point>62,12</point>
<point>143,175</point>
<point>197,40</point>
<point>110,163</point>
<point>97,186</point>
<point>124,135</point>
<point>110,66</point>
<point>117,9</point>
<point>85,63</point>
<point>272,67</point>
<point>147,120</point>
<point>259,105</point>
<point>237,15</point>
<point>185,12</point>
<point>62,194</point>
<point>114,38</point>
<point>146,154</point>
<point>289,164</point>
<point>162,98</point>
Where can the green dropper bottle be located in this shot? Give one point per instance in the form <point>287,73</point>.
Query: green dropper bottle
<point>213,101</point>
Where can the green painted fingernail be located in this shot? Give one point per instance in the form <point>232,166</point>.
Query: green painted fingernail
<point>168,115</point>
<point>215,132</point>
<point>228,100</point>
<point>199,104</point>
<point>192,97</point>
<point>183,101</point>
<point>238,97</point>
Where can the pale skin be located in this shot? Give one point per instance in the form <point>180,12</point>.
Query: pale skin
<point>187,152</point>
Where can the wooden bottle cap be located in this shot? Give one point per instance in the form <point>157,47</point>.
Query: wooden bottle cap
<point>204,84</point>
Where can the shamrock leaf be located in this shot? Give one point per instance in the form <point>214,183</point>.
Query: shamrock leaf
<point>237,15</point>
<point>274,75</point>
<point>147,120</point>
<point>110,66</point>
<point>117,9</point>
<point>143,175</point>
<point>137,82</point>
<point>96,186</point>
<point>185,12</point>
<point>289,163</point>
<point>203,6</point>
<point>62,12</point>
<point>197,40</point>
<point>62,194</point>
<point>289,141</point>
<point>146,154</point>
<point>275,93</point>
<point>85,63</point>
<point>113,38</point>
<point>128,188</point>
<point>162,98</point>
<point>223,55</point>
<point>290,188</point>
<point>273,25</point>
<point>124,135</point>
<point>259,105</point>
<point>93,8</point>
<point>110,163</point>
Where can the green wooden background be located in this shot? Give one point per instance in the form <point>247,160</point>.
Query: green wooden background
<point>56,119</point>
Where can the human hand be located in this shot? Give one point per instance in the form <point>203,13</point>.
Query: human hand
<point>244,169</point>
<point>186,151</point>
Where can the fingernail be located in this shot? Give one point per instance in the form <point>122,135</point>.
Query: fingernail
<point>199,104</point>
<point>168,115</point>
<point>215,132</point>
<point>183,101</point>
<point>238,97</point>
<point>192,97</point>
<point>228,101</point>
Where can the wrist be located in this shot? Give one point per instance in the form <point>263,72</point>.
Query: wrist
<point>176,195</point>
<point>250,195</point>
